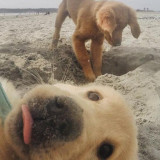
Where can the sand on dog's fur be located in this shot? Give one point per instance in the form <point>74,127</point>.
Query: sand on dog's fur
<point>23,55</point>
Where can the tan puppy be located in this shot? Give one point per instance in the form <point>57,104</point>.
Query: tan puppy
<point>64,122</point>
<point>96,21</point>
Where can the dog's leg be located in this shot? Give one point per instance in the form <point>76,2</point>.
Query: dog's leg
<point>96,55</point>
<point>83,57</point>
<point>61,15</point>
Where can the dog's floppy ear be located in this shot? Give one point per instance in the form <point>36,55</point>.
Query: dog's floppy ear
<point>106,19</point>
<point>135,28</point>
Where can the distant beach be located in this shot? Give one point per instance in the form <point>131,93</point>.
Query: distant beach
<point>27,11</point>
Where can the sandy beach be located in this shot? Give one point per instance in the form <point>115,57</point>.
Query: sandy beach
<point>133,68</point>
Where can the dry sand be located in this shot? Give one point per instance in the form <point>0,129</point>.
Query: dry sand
<point>133,69</point>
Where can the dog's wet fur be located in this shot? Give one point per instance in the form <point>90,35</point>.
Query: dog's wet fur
<point>89,122</point>
<point>95,21</point>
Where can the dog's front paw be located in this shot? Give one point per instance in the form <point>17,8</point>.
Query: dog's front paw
<point>90,77</point>
<point>54,44</point>
<point>98,73</point>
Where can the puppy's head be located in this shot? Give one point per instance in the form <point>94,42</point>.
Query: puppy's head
<point>112,18</point>
<point>64,122</point>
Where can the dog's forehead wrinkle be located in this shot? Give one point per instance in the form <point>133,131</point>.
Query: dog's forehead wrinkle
<point>66,87</point>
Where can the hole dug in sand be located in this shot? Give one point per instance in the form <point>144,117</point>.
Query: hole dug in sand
<point>38,66</point>
<point>121,60</point>
<point>118,61</point>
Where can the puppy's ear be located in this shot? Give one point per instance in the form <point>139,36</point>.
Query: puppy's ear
<point>106,19</point>
<point>135,28</point>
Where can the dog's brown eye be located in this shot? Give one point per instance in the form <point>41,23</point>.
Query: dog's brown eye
<point>93,96</point>
<point>105,151</point>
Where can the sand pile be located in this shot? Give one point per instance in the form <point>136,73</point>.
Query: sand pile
<point>133,69</point>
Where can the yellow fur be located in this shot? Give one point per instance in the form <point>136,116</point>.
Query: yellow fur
<point>107,120</point>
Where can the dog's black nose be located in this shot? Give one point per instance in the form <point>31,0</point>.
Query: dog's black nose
<point>116,44</point>
<point>55,119</point>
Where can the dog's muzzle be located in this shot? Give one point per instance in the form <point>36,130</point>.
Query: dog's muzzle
<point>57,119</point>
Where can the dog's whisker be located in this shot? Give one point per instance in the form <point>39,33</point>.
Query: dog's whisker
<point>39,78</point>
<point>51,79</point>
<point>35,75</point>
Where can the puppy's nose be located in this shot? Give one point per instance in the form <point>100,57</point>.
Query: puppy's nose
<point>117,44</point>
<point>59,119</point>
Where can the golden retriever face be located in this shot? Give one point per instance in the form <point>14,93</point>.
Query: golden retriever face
<point>64,122</point>
<point>112,18</point>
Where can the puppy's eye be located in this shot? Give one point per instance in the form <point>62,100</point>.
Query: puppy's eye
<point>105,151</point>
<point>93,96</point>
